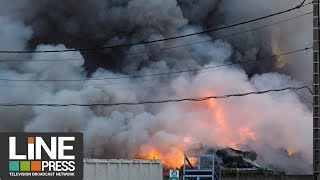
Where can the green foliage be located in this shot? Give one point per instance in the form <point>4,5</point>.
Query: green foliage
<point>233,172</point>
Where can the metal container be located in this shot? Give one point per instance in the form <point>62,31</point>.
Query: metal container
<point>122,169</point>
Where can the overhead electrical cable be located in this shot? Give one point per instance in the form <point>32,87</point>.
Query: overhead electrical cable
<point>166,48</point>
<point>157,102</point>
<point>160,40</point>
<point>159,74</point>
<point>304,98</point>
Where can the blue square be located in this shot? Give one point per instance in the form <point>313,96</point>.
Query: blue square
<point>14,166</point>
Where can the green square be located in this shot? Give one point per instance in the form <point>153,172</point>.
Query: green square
<point>14,166</point>
<point>24,165</point>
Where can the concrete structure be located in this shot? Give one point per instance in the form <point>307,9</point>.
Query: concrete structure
<point>316,79</point>
<point>118,169</point>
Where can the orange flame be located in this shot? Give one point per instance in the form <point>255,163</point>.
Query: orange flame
<point>215,123</point>
<point>247,133</point>
<point>290,151</point>
<point>172,159</point>
<point>218,120</point>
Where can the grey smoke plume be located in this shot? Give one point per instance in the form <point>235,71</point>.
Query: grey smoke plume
<point>280,120</point>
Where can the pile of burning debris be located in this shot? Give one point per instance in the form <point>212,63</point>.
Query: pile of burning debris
<point>228,162</point>
<point>227,158</point>
<point>232,158</point>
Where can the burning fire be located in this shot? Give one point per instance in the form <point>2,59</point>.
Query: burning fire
<point>172,159</point>
<point>214,123</point>
<point>219,122</point>
<point>290,151</point>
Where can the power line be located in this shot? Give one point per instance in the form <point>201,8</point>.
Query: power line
<point>167,48</point>
<point>302,96</point>
<point>217,38</point>
<point>40,60</point>
<point>310,90</point>
<point>155,102</point>
<point>164,39</point>
<point>157,74</point>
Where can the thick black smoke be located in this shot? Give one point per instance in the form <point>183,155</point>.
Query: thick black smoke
<point>125,131</point>
<point>100,23</point>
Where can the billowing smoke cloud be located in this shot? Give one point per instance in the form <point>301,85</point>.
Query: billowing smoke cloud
<point>281,38</point>
<point>264,123</point>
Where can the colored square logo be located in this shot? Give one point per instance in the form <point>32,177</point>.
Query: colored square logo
<point>14,166</point>
<point>36,166</point>
<point>24,165</point>
<point>18,152</point>
<point>30,140</point>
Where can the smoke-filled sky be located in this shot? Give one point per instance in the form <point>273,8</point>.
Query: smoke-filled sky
<point>270,124</point>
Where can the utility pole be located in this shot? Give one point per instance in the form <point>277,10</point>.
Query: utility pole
<point>316,78</point>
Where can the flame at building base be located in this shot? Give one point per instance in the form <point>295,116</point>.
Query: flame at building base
<point>170,160</point>
<point>215,124</point>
